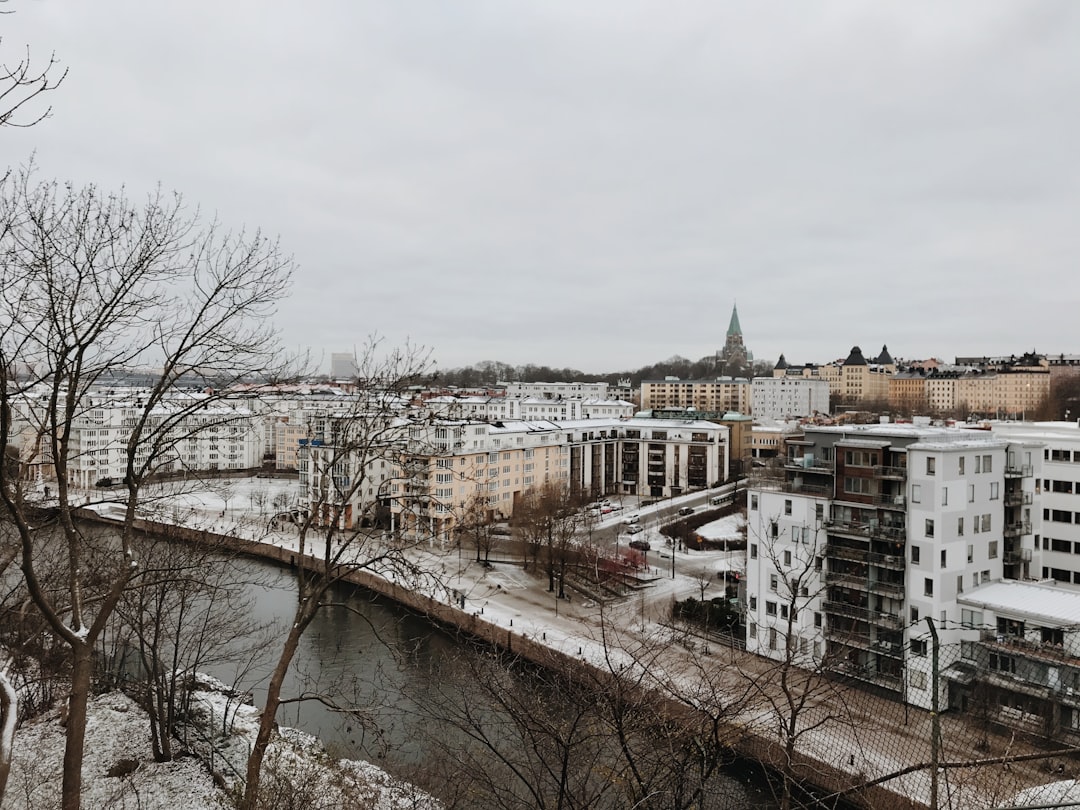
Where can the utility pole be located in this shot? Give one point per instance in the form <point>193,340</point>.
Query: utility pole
<point>935,717</point>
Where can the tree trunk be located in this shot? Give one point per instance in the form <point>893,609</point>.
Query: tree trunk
<point>267,719</point>
<point>71,789</point>
<point>9,709</point>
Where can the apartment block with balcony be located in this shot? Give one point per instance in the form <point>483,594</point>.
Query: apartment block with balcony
<point>1052,507</point>
<point>898,520</point>
<point>788,397</point>
<point>1019,664</point>
<point>721,394</point>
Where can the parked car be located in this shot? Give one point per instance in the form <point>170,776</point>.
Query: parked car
<point>633,520</point>
<point>615,507</point>
<point>640,545</point>
<point>686,510</point>
<point>635,529</point>
<point>607,510</point>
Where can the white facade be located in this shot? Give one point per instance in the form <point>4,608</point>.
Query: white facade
<point>554,390</point>
<point>788,397</point>
<point>871,530</point>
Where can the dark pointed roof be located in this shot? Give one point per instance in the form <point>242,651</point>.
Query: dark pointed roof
<point>856,358</point>
<point>733,327</point>
<point>781,363</point>
<point>884,359</point>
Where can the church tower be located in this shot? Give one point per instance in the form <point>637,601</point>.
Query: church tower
<point>734,358</point>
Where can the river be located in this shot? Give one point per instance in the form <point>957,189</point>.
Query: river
<point>407,677</point>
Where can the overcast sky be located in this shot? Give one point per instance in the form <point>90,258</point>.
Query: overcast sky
<point>593,184</point>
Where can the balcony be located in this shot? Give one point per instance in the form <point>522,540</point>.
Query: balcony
<point>1017,557</point>
<point>794,487</point>
<point>1017,529</point>
<point>897,473</point>
<point>864,614</point>
<point>886,531</point>
<point>893,562</point>
<point>811,465</point>
<point>1018,471</point>
<point>1018,499</point>
<point>898,502</point>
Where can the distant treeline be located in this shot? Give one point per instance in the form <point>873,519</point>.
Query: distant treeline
<point>488,372</point>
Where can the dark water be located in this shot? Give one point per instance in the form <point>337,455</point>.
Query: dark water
<point>400,673</point>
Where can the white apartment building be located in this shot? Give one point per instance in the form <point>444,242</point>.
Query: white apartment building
<point>1019,663</point>
<point>1055,515</point>
<point>555,390</point>
<point>425,472</point>
<point>527,408</point>
<point>788,397</point>
<point>217,435</point>
<point>864,532</point>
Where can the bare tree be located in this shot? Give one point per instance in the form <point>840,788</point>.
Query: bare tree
<point>549,517</point>
<point>21,82</point>
<point>92,285</point>
<point>477,521</point>
<point>798,683</point>
<point>365,458</point>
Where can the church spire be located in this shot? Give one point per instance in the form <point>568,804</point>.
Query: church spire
<point>733,327</point>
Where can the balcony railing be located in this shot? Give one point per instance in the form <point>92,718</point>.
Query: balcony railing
<point>796,488</point>
<point>1018,471</point>
<point>891,501</point>
<point>1018,498</point>
<point>864,614</point>
<point>890,472</point>
<point>1021,555</point>
<point>894,562</point>
<point>886,531</point>
<point>814,465</point>
<point>1017,529</point>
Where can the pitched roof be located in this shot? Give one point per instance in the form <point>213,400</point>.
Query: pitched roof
<point>733,327</point>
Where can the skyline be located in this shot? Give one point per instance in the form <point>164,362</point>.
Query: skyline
<point>595,187</point>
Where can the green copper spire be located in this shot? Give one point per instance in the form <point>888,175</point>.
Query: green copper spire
<point>733,327</point>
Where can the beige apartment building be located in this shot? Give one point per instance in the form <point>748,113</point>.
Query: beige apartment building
<point>722,394</point>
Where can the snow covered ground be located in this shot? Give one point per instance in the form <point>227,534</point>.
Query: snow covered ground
<point>119,769</point>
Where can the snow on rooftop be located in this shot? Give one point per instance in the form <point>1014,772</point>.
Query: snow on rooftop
<point>1035,601</point>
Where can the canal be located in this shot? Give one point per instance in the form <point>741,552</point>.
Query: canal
<point>447,714</point>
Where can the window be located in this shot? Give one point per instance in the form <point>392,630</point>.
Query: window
<point>959,527</point>
<point>971,552</point>
<point>753,551</point>
<point>751,630</point>
<point>978,464</point>
<point>857,486</point>
<point>914,555</point>
<point>787,506</point>
<point>817,619</point>
<point>993,490</point>
<point>917,679</point>
<point>987,466</point>
<point>787,558</point>
<point>967,650</point>
<point>986,523</point>
<point>944,557</point>
<point>819,512</point>
<point>918,647</point>
<point>753,502</point>
<point>770,608</point>
<point>772,638</point>
<point>992,549</point>
<point>971,492</point>
<point>914,614</point>
<point>928,587</point>
<point>753,603</point>
<point>944,496</point>
<point>929,527</point>
<point>774,530</point>
<point>960,465</point>
<point>783,611</point>
<point>772,582</point>
<point>916,493</point>
<point>931,465</point>
<point>971,619</point>
<point>960,583</point>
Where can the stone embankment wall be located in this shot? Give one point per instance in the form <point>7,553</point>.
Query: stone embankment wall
<point>747,743</point>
